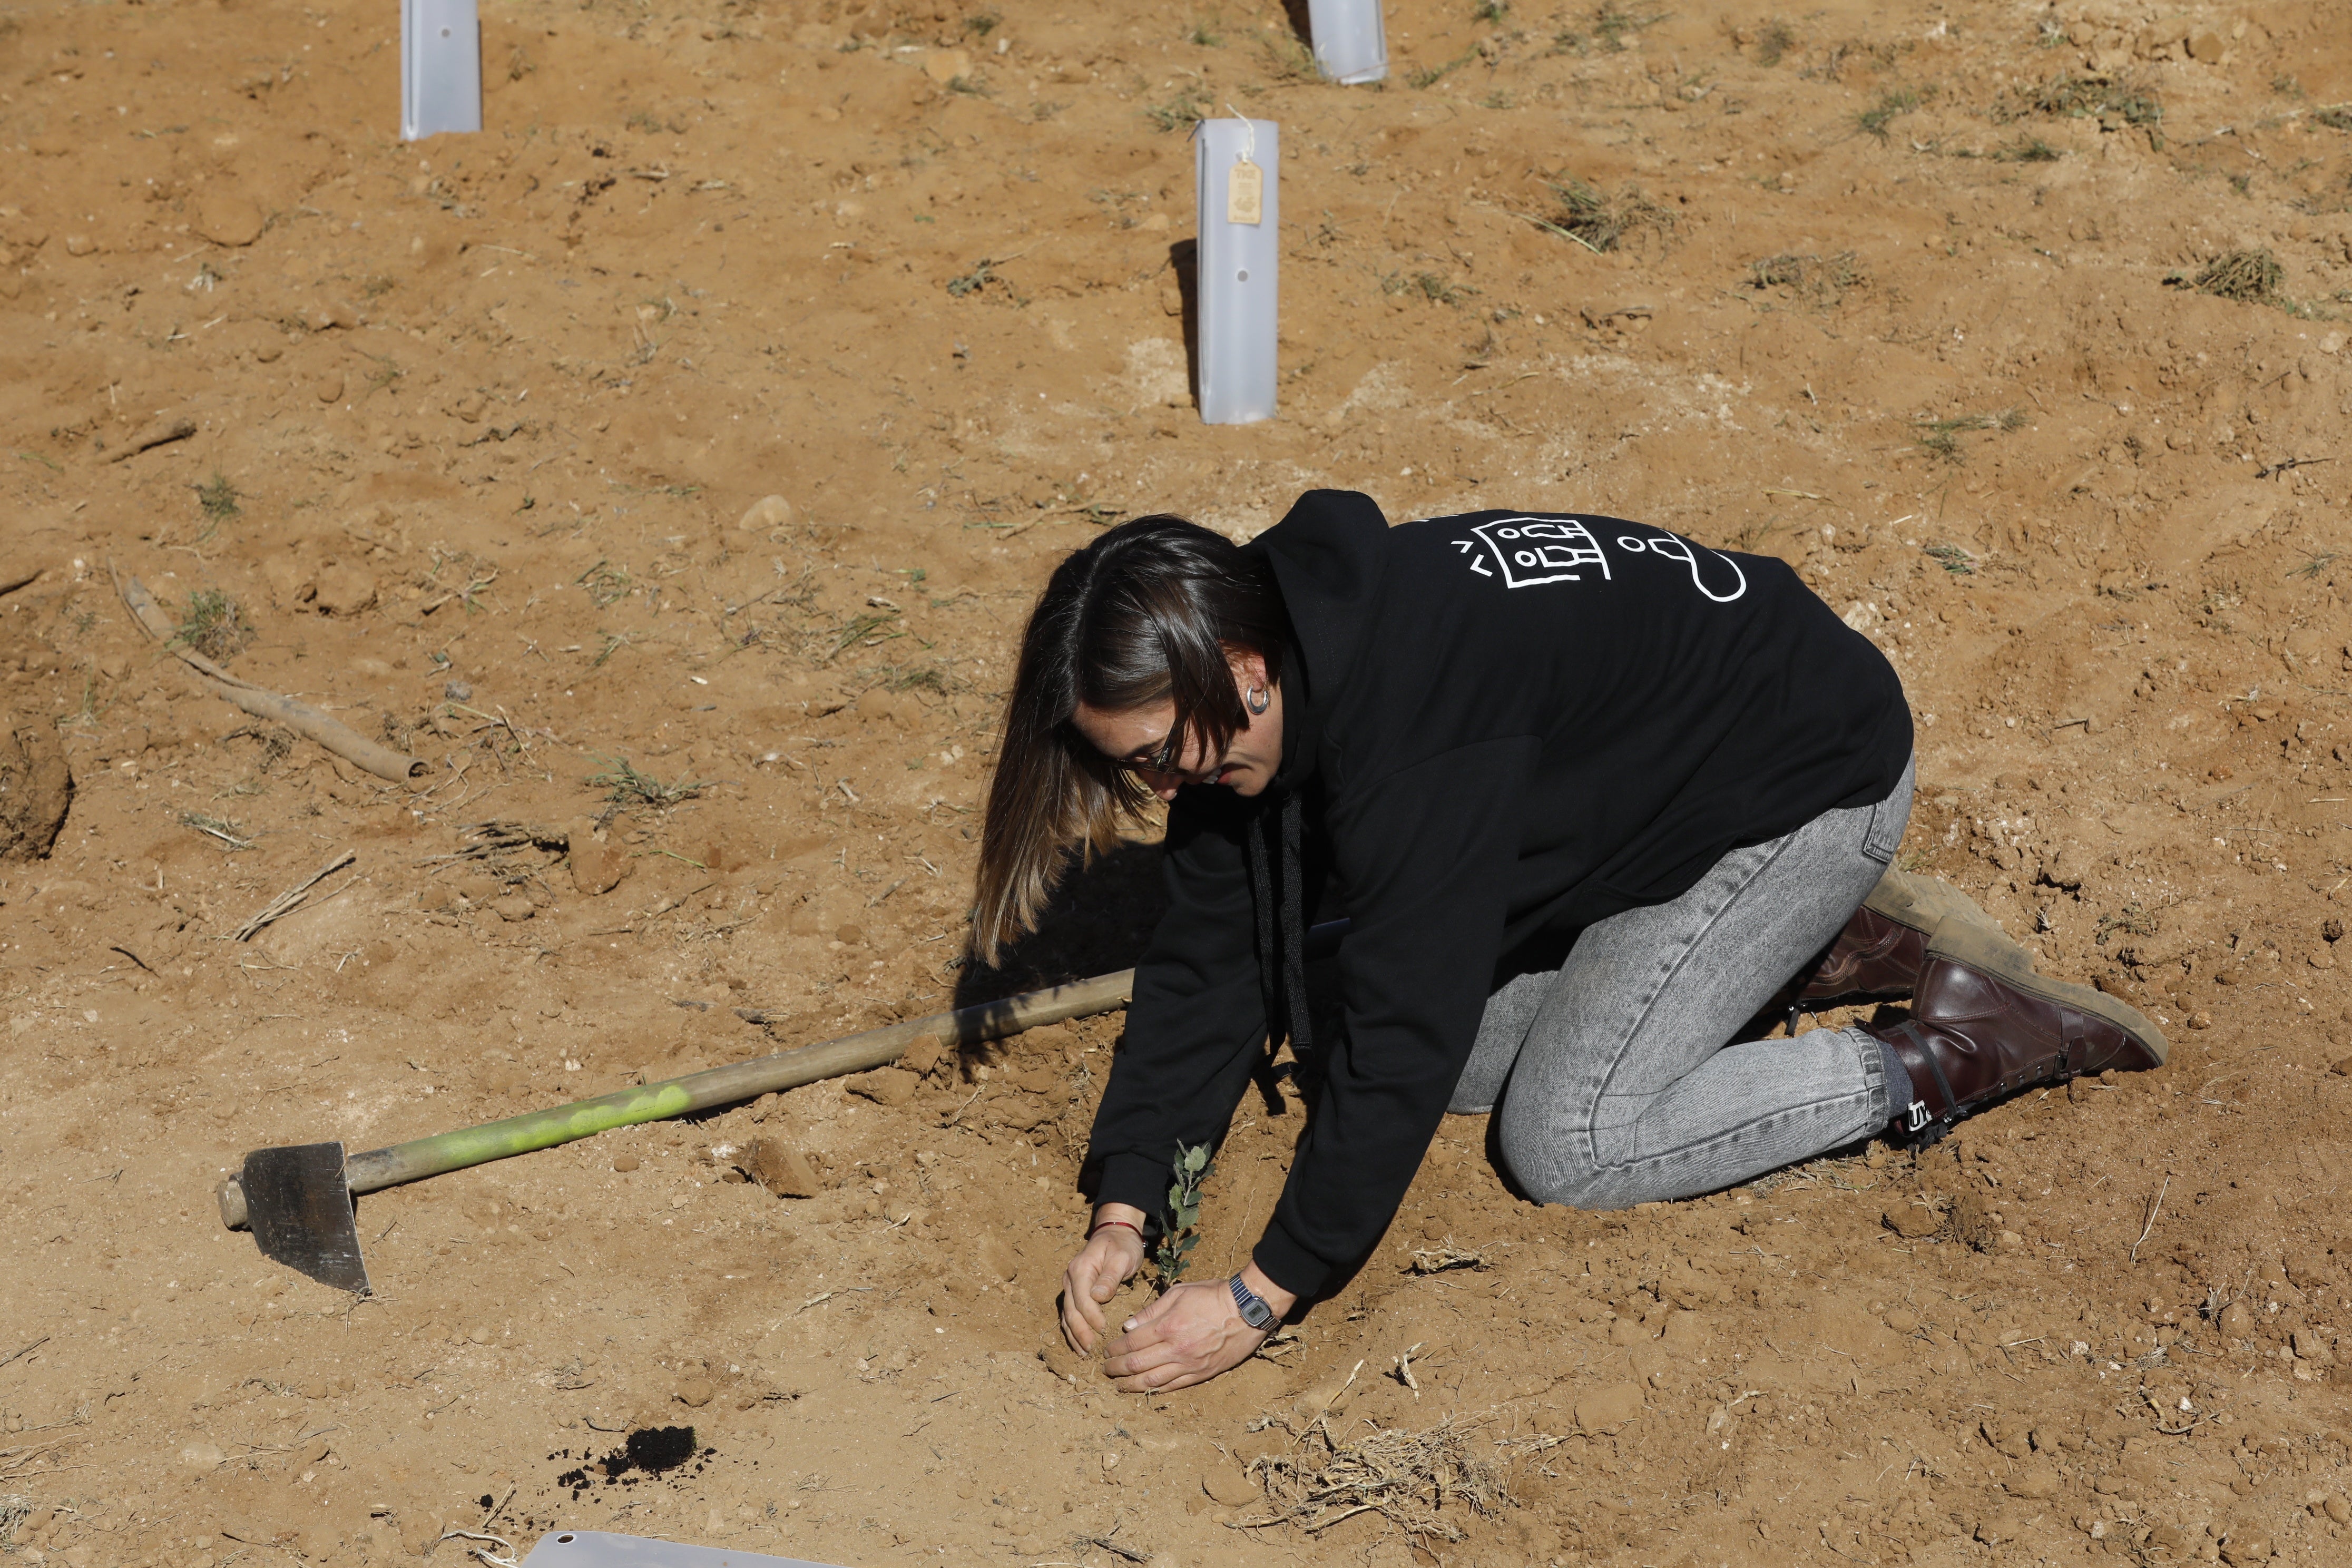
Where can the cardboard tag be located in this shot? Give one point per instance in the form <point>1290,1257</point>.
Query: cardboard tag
<point>1245,193</point>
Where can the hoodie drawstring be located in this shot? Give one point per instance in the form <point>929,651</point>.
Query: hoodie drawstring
<point>1282,917</point>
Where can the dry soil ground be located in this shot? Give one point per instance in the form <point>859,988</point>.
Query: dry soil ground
<point>1908,294</point>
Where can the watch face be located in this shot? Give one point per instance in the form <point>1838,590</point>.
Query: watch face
<point>1252,1308</point>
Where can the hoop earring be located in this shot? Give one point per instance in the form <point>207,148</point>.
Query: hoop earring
<point>1258,700</point>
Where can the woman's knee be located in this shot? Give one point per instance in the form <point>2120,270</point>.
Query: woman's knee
<point>1552,1164</point>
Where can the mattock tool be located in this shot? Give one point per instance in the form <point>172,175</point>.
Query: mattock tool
<point>297,1199</point>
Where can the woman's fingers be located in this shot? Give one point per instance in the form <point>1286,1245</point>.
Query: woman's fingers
<point>1086,1285</point>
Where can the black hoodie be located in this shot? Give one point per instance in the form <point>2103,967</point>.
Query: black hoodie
<point>1501,728</point>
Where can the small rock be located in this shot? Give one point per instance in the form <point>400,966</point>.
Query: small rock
<point>79,245</point>
<point>2205,46</point>
<point>943,66</point>
<point>850,936</point>
<point>878,704</point>
<point>329,389</point>
<point>344,590</point>
<point>2238,1322</point>
<point>1229,1485</point>
<point>2343,1069</point>
<point>625,1164</point>
<point>767,513</point>
<point>2247,1546</point>
<point>224,217</point>
<point>1604,1410</point>
<point>340,314</point>
<point>695,1392</point>
<point>596,868</point>
<point>2310,1347</point>
<point>514,906</point>
<point>200,1456</point>
<point>780,1168</point>
<point>1903,1321</point>
<point>457,691</point>
<point>884,1086</point>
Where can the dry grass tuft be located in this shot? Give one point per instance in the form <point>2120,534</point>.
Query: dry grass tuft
<point>1445,1255</point>
<point>215,626</point>
<point>1409,1479</point>
<point>1598,221</point>
<point>1823,280</point>
<point>2251,277</point>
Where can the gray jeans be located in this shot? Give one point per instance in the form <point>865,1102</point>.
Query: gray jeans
<point>1612,1076</point>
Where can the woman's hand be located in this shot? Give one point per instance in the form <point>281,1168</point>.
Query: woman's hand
<point>1189,1335</point>
<point>1110,1255</point>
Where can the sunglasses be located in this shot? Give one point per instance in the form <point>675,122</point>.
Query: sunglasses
<point>1162,761</point>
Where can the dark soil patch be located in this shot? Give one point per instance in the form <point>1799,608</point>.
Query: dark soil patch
<point>652,1450</point>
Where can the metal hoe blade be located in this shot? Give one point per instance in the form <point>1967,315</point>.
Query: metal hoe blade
<point>299,1204</point>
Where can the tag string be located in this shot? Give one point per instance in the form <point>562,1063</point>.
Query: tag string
<point>1249,156</point>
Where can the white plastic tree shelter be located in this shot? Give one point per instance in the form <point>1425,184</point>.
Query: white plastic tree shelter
<point>1352,41</point>
<point>1238,162</point>
<point>440,68</point>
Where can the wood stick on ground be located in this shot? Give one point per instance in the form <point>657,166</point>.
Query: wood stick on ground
<point>163,433</point>
<point>292,899</point>
<point>2154,1210</point>
<point>299,717</point>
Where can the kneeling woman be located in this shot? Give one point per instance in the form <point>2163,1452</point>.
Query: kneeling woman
<point>1591,795</point>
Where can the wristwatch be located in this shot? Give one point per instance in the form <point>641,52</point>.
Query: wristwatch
<point>1251,1306</point>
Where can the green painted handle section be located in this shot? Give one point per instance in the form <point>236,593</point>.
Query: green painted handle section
<point>381,1168</point>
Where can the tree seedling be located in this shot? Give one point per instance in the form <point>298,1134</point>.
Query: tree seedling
<point>1179,1228</point>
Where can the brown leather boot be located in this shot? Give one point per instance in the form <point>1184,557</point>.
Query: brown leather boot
<point>1977,1034</point>
<point>1879,956</point>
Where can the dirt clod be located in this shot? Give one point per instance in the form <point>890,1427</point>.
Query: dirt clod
<point>884,1086</point>
<point>1605,1410</point>
<point>596,867</point>
<point>783,1170</point>
<point>767,513</point>
<point>923,1055</point>
<point>1912,1220</point>
<point>1229,1485</point>
<point>36,790</point>
<point>344,591</point>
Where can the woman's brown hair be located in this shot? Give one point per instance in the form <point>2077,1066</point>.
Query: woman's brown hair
<point>1153,610</point>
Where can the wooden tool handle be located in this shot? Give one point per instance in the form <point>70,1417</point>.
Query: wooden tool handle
<point>443,1152</point>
